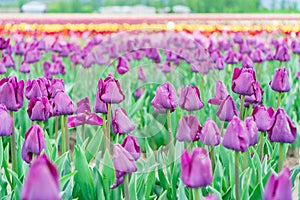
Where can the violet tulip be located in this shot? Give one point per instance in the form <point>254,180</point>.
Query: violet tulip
<point>12,93</point>
<point>131,144</point>
<point>231,57</point>
<point>282,54</point>
<point>34,143</point>
<point>124,163</point>
<point>42,181</point>
<point>123,65</point>
<point>4,43</point>
<point>196,170</point>
<point>39,109</point>
<point>6,120</point>
<point>24,68</point>
<point>141,74</point>
<point>139,92</point>
<point>280,81</point>
<point>236,135</point>
<point>165,98</point>
<point>262,116</point>
<point>220,94</point>
<point>247,62</point>
<point>9,61</point>
<point>257,96</point>
<point>120,122</point>
<point>2,68</point>
<point>210,134</point>
<point>37,88</point>
<point>57,85</point>
<point>190,99</point>
<point>243,81</point>
<point>227,109</point>
<point>281,128</point>
<point>252,131</point>
<point>279,187</point>
<point>189,129</point>
<point>62,104</point>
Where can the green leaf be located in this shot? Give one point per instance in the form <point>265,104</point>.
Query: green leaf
<point>108,174</point>
<point>63,164</point>
<point>94,145</point>
<point>295,171</point>
<point>181,189</point>
<point>98,184</point>
<point>132,187</point>
<point>149,183</point>
<point>163,195</point>
<point>63,180</point>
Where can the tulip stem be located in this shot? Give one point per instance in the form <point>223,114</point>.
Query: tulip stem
<point>63,136</point>
<point>191,193</point>
<point>198,194</point>
<point>56,127</point>
<point>222,128</point>
<point>13,149</point>
<point>67,133</point>
<point>281,153</point>
<point>104,130</point>
<point>41,124</point>
<point>212,157</point>
<point>170,134</point>
<point>245,160</point>
<point>279,98</point>
<point>126,191</point>
<point>107,141</point>
<point>237,176</point>
<point>261,144</point>
<point>82,133</point>
<point>242,107</point>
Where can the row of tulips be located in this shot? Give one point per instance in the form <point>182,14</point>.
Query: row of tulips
<point>202,160</point>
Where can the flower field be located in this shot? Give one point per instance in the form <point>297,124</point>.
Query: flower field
<point>147,109</point>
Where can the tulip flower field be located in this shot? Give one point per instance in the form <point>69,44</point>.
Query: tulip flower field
<point>149,114</point>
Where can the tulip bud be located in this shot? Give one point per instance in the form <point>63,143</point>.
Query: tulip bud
<point>262,117</point>
<point>6,120</point>
<point>12,93</point>
<point>9,61</point>
<point>231,57</point>
<point>280,81</point>
<point>139,92</point>
<point>2,68</point>
<point>279,187</point>
<point>282,53</point>
<point>165,98</point>
<point>227,109</point>
<point>220,95</point>
<point>4,43</point>
<point>24,68</point>
<point>42,181</point>
<point>34,143</point>
<point>281,128</point>
<point>252,131</point>
<point>236,136</point>
<point>37,88</point>
<point>189,129</point>
<point>256,97</point>
<point>247,62</point>
<point>243,81</point>
<point>131,144</point>
<point>190,99</point>
<point>141,74</point>
<point>120,122</point>
<point>123,65</point>
<point>257,56</point>
<point>219,63</point>
<point>56,86</point>
<point>210,134</point>
<point>32,56</point>
<point>196,171</point>
<point>100,106</point>
<point>62,104</point>
<point>39,109</point>
<point>110,90</point>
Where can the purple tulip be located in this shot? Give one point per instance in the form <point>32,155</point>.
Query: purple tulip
<point>42,181</point>
<point>257,56</point>
<point>236,136</point>
<point>37,88</point>
<point>4,43</point>
<point>262,116</point>
<point>219,65</point>
<point>247,62</point>
<point>165,98</point>
<point>196,171</point>
<point>9,61</point>
<point>124,163</point>
<point>220,95</point>
<point>244,48</point>
<point>280,81</point>
<point>12,93</point>
<point>210,197</point>
<point>2,68</point>
<point>57,85</point>
<point>238,38</point>
<point>24,68</point>
<point>120,122</point>
<point>231,57</point>
<point>295,46</point>
<point>227,109</point>
<point>62,104</point>
<point>190,99</point>
<point>110,90</point>
<point>210,134</point>
<point>131,144</point>
<point>123,65</point>
<point>39,109</point>
<point>6,120</point>
<point>281,128</point>
<point>252,131</point>
<point>189,129</point>
<point>139,92</point>
<point>34,143</point>
<point>243,81</point>
<point>282,54</point>
<point>279,187</point>
<point>100,106</point>
<point>141,74</point>
<point>256,97</point>
<point>32,56</point>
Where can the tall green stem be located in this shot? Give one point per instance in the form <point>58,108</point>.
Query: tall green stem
<point>222,128</point>
<point>212,157</point>
<point>107,145</point>
<point>63,135</point>
<point>237,176</point>
<point>281,154</point>
<point>242,107</point>
<point>13,149</point>
<point>56,126</point>
<point>278,100</point>
<point>67,133</point>
<point>126,191</point>
<point>41,124</point>
<point>245,159</point>
<point>82,132</point>
<point>198,194</point>
<point>261,145</point>
<point>104,131</point>
<point>170,134</point>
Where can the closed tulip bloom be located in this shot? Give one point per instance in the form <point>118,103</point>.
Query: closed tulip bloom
<point>282,53</point>
<point>189,129</point>
<point>2,68</point>
<point>244,48</point>
<point>39,109</point>
<point>257,96</point>
<point>131,144</point>
<point>32,56</point>
<point>24,68</point>
<point>6,120</point>
<point>243,81</point>
<point>282,128</point>
<point>34,143</point>
<point>227,109</point>
<point>110,90</point>
<point>100,106</point>
<point>62,104</point>
<point>196,170</point>
<point>231,57</point>
<point>252,131</point>
<point>210,134</point>
<point>219,65</point>
<point>257,56</point>
<point>295,46</point>
<point>236,136</point>
<point>141,74</point>
<point>280,81</point>
<point>139,92</point>
<point>9,61</point>
<point>42,181</point>
<point>279,187</point>
<point>262,116</point>
<point>37,88</point>
<point>220,94</point>
<point>190,98</point>
<point>120,122</point>
<point>123,65</point>
<point>4,43</point>
<point>124,163</point>
<point>57,85</point>
<point>247,62</point>
<point>238,38</point>
<point>12,93</point>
